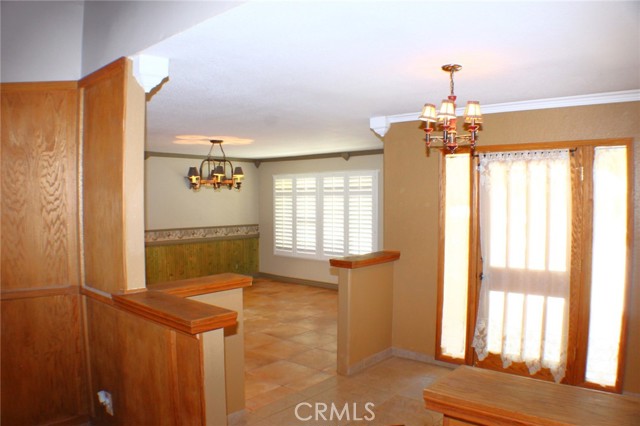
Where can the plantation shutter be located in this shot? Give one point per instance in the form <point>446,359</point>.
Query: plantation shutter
<point>333,193</point>
<point>283,214</point>
<point>361,214</point>
<point>305,225</point>
<point>325,215</point>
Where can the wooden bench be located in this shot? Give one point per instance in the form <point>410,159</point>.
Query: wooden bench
<point>475,396</point>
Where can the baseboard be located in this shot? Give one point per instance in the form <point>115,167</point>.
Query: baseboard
<point>236,417</point>
<point>417,356</point>
<point>292,280</point>
<point>369,361</point>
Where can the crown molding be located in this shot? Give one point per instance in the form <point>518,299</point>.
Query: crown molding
<point>150,71</point>
<point>258,161</point>
<point>381,124</point>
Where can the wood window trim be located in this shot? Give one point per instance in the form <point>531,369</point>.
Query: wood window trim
<point>582,151</point>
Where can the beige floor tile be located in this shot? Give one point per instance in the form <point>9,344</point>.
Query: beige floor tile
<point>254,340</point>
<point>311,324</point>
<point>253,360</point>
<point>316,358</point>
<point>404,411</point>
<point>266,398</point>
<point>290,345</point>
<point>284,331</point>
<point>281,372</point>
<point>282,349</point>
<point>257,324</point>
<point>313,339</point>
<point>254,388</point>
<point>330,347</point>
<point>308,381</point>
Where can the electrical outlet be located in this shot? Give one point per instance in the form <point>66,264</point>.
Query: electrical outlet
<point>105,399</point>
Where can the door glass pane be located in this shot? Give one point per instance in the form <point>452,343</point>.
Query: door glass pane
<point>608,274</point>
<point>456,256</point>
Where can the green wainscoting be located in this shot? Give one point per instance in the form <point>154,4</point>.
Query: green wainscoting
<point>170,262</point>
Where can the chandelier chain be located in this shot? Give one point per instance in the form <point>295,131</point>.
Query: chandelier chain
<point>451,81</point>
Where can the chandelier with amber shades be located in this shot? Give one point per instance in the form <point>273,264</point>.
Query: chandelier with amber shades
<point>215,172</point>
<point>445,120</point>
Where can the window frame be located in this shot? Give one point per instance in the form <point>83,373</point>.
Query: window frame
<point>319,214</point>
<point>582,234</point>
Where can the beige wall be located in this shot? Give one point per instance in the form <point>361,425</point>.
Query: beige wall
<point>314,270</point>
<point>411,210</point>
<point>133,153</point>
<point>233,346</point>
<point>169,203</point>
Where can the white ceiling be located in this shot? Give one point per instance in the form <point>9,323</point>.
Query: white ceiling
<point>304,77</point>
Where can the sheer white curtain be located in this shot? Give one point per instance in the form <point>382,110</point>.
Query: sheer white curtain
<point>525,214</point>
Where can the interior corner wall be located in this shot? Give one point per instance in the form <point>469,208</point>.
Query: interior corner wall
<point>292,267</point>
<point>411,210</point>
<point>171,204</point>
<point>121,28</point>
<point>41,40</point>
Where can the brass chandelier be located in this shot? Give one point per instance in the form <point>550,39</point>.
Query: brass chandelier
<point>445,120</point>
<point>215,172</point>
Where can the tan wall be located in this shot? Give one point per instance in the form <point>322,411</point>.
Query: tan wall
<point>233,347</point>
<point>411,210</point>
<point>365,310</point>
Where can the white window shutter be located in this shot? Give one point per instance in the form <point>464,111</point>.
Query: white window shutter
<point>333,215</point>
<point>325,215</point>
<point>283,214</point>
<point>361,214</point>
<point>305,215</point>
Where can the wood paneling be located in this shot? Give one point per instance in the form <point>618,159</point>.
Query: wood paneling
<point>103,100</point>
<point>43,370</point>
<point>39,186</point>
<point>198,259</point>
<point>189,386</point>
<point>145,367</point>
<point>43,360</point>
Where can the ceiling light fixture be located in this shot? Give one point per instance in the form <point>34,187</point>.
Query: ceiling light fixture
<point>446,119</point>
<point>214,175</point>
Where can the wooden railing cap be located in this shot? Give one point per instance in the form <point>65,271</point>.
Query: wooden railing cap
<point>369,259</point>
<point>189,316</point>
<point>203,285</point>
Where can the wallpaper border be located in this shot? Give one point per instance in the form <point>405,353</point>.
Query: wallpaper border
<point>188,235</point>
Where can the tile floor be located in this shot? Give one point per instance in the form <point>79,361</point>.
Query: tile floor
<point>290,361</point>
